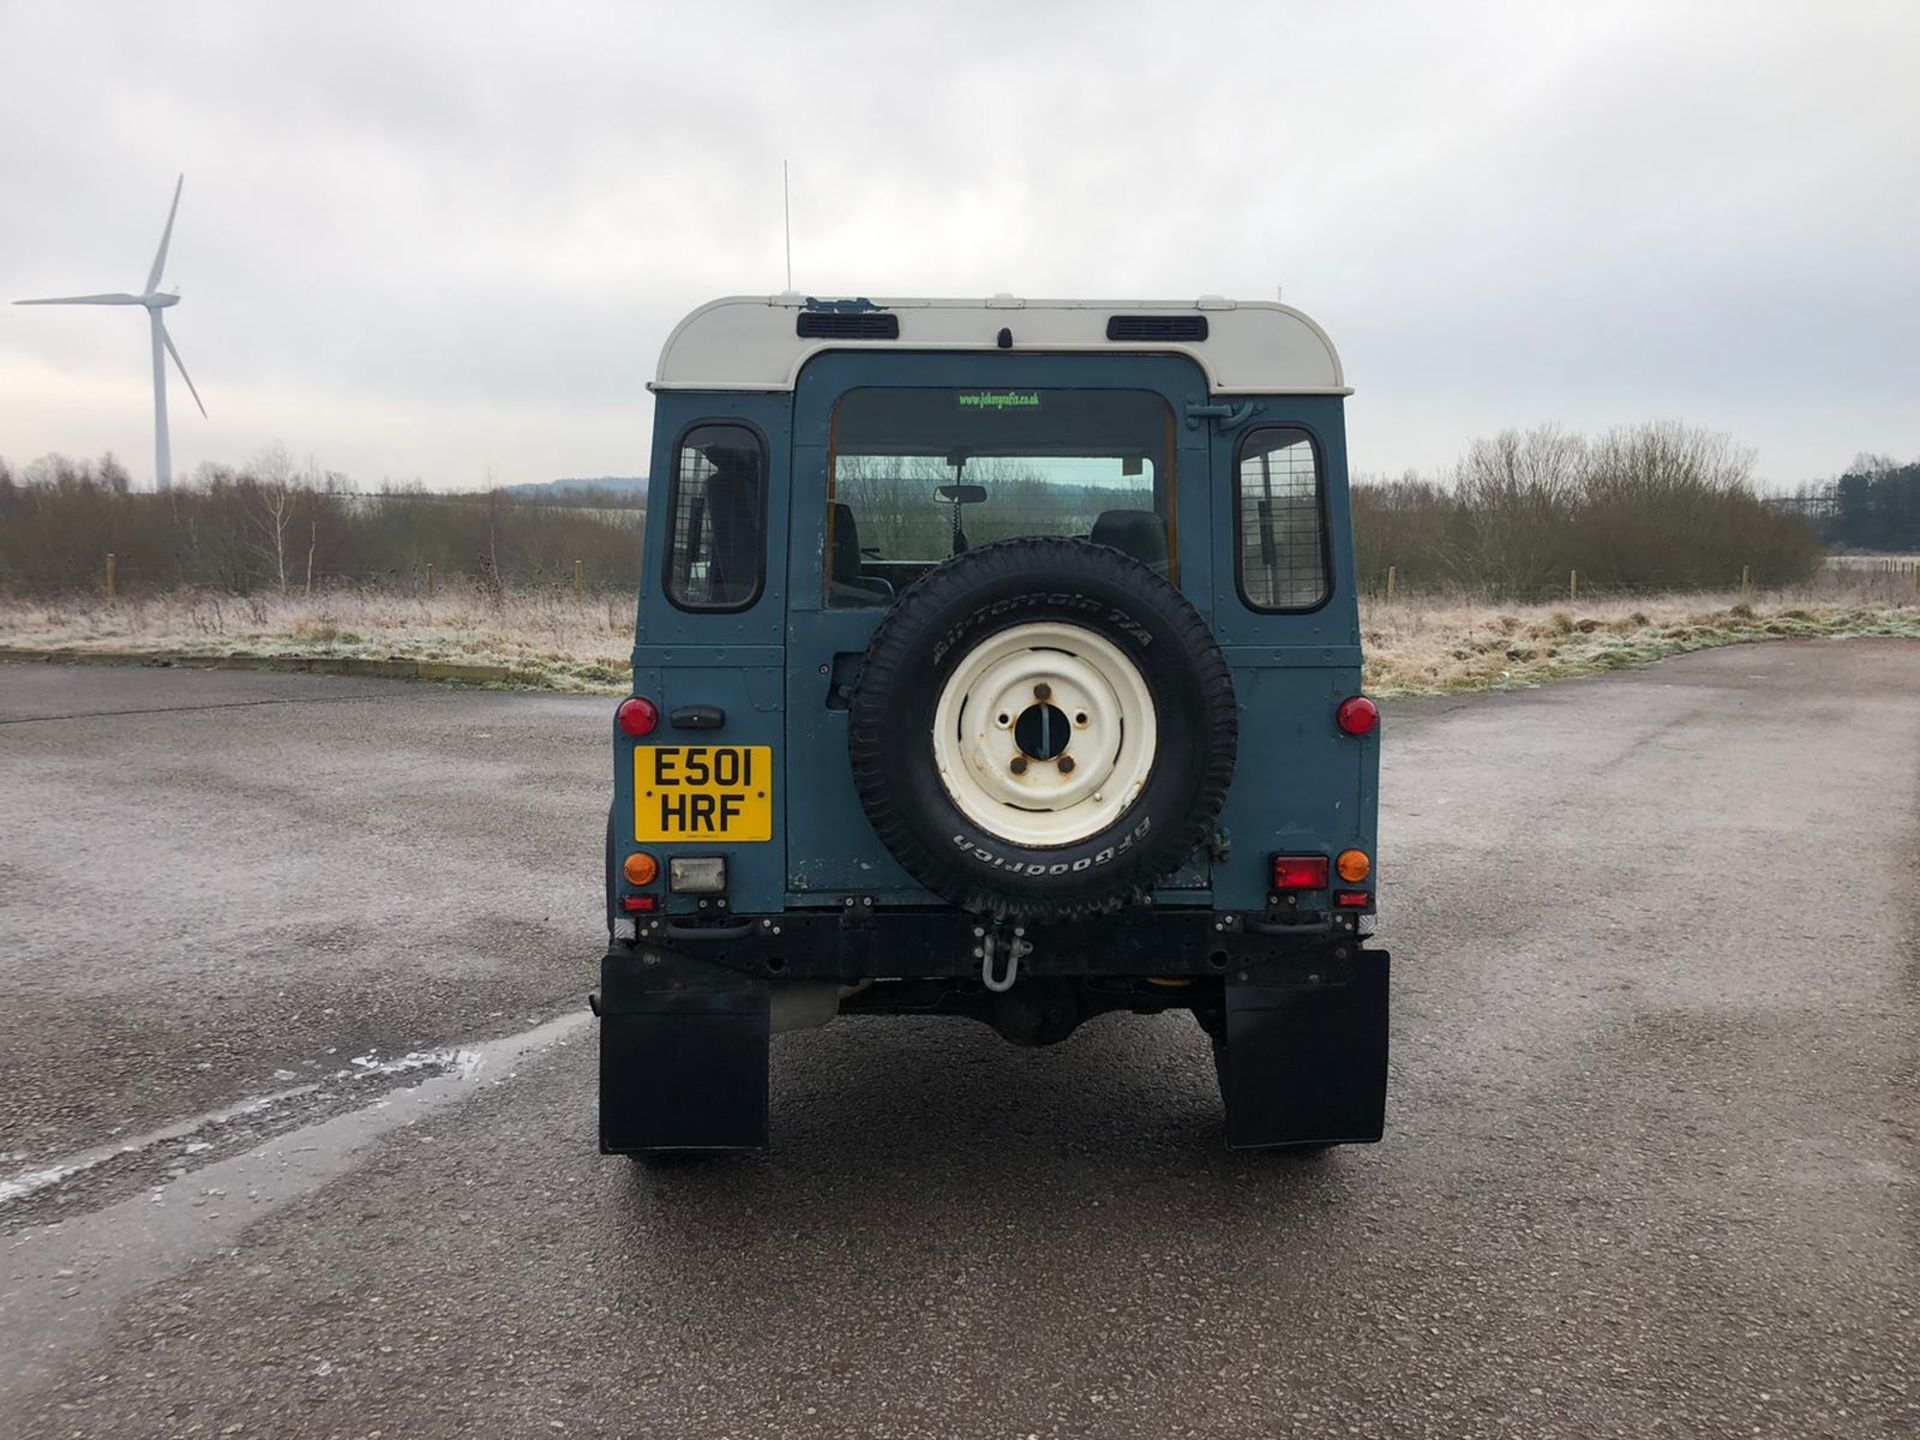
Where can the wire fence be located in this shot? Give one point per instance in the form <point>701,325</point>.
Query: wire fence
<point>1863,578</point>
<point>112,578</point>
<point>244,537</point>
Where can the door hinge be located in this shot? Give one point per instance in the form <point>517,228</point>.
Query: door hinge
<point>1226,417</point>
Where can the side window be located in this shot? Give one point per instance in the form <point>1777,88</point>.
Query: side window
<point>1280,535</point>
<point>717,519</point>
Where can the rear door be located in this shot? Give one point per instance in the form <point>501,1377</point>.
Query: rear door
<point>837,595</point>
<point>708,781</point>
<point>1285,615</point>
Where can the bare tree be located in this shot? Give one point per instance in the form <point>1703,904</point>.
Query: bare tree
<point>1520,492</point>
<point>272,514</point>
<point>274,507</point>
<point>113,474</point>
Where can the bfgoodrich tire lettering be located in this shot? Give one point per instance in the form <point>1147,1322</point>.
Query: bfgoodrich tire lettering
<point>1052,588</point>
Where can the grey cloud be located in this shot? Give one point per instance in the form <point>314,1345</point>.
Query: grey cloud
<point>430,240</point>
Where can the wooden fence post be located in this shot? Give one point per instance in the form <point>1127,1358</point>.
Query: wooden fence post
<point>1392,571</point>
<point>579,579</point>
<point>429,579</point>
<point>113,588</point>
<point>1573,585</point>
<point>1746,573</point>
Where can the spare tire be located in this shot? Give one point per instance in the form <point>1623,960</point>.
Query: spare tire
<point>1042,729</point>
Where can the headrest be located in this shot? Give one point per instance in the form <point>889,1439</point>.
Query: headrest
<point>1138,533</point>
<point>845,560</point>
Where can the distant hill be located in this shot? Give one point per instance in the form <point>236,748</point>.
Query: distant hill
<point>621,485</point>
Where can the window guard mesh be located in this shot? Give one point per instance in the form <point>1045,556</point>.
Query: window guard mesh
<point>716,551</point>
<point>1282,542</point>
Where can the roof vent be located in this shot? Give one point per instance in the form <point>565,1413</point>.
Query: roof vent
<point>1156,327</point>
<point>847,325</point>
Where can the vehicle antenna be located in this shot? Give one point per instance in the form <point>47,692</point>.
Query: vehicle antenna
<point>786,207</point>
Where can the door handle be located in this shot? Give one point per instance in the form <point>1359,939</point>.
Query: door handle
<point>696,717</point>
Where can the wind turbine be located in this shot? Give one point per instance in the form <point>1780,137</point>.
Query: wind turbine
<point>155,301</point>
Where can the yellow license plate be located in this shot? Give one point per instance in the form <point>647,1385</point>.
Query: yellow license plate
<point>703,792</point>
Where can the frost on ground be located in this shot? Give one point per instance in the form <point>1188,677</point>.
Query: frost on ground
<point>1420,645</point>
<point>1434,647</point>
<point>551,640</point>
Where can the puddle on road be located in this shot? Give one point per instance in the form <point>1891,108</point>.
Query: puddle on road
<point>62,1277</point>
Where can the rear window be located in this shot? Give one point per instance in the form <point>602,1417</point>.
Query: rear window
<point>716,532</point>
<point>919,475</point>
<point>1282,537</point>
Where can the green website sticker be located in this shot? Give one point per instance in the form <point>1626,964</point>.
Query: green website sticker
<point>999,399</point>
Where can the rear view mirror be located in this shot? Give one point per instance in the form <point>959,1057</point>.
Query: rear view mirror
<point>962,494</point>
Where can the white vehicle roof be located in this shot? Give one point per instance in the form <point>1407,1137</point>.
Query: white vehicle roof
<point>750,342</point>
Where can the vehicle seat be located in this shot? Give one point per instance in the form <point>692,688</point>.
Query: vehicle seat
<point>846,585</point>
<point>736,534</point>
<point>1138,533</point>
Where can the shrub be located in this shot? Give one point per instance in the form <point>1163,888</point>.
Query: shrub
<point>1659,506</point>
<point>267,528</point>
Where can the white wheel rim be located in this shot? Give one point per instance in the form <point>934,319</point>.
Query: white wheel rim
<point>1019,792</point>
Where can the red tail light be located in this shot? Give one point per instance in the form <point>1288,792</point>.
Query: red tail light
<point>639,904</point>
<point>1299,872</point>
<point>637,717</point>
<point>1353,899</point>
<point>1358,715</point>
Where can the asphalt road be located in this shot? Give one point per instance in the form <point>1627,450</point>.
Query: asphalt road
<point>296,1103</point>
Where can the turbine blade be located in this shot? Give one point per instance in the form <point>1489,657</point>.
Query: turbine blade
<point>119,299</point>
<point>160,256</point>
<point>167,339</point>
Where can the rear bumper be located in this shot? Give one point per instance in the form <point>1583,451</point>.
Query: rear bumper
<point>1300,1041</point>
<point>1299,1015</point>
<point>860,942</point>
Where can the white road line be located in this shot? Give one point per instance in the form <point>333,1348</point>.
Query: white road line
<point>15,1187</point>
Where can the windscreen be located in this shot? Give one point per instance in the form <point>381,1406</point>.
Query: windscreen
<point>920,475</point>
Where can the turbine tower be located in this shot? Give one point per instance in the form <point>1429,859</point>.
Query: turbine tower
<point>154,301</point>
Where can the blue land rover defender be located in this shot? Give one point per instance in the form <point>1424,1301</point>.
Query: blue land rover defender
<point>997,659</point>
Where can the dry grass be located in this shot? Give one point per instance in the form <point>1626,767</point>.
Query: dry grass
<point>565,644</point>
<point>1429,646</point>
<point>1420,646</point>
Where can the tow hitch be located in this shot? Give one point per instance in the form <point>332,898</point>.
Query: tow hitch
<point>1007,951</point>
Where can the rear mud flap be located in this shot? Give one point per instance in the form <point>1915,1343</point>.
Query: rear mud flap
<point>1307,1064</point>
<point>683,1070</point>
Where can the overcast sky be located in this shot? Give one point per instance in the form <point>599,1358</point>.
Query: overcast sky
<point>446,242</point>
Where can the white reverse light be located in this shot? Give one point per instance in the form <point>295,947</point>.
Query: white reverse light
<point>697,875</point>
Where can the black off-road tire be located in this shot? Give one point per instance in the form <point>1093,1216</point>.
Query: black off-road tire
<point>937,623</point>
